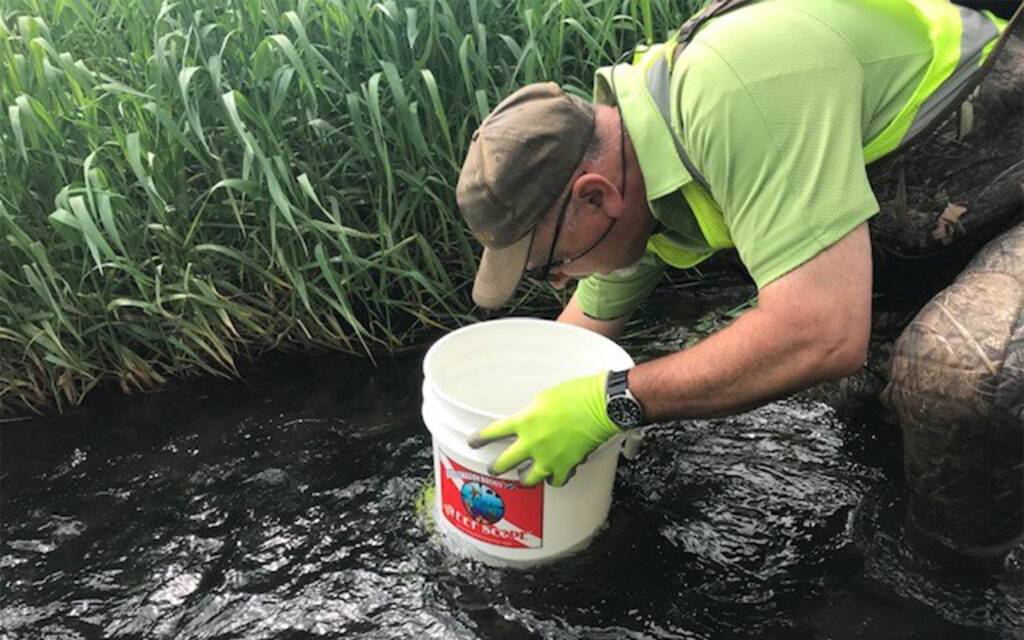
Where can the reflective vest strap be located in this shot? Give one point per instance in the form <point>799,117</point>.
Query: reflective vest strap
<point>978,32</point>
<point>708,215</point>
<point>658,76</point>
<point>944,32</point>
<point>674,255</point>
<point>697,20</point>
<point>1001,25</point>
<point>654,63</point>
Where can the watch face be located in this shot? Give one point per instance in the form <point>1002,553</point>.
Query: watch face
<point>624,411</point>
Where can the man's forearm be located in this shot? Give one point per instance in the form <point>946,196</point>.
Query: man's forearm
<point>758,358</point>
<point>573,314</point>
<point>811,325</point>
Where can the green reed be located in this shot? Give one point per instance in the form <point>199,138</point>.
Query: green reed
<point>185,184</point>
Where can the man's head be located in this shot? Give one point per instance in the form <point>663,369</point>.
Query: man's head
<point>535,190</point>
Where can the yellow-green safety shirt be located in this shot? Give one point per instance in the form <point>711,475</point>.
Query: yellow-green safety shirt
<point>777,105</point>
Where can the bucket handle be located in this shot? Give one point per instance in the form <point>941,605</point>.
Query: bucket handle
<point>631,443</point>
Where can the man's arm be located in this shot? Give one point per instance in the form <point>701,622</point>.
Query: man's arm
<point>573,314</point>
<point>811,325</point>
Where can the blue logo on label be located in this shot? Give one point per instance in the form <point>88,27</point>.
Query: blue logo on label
<point>482,502</point>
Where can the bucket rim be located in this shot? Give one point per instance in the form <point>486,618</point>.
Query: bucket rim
<point>441,435</point>
<point>437,346</point>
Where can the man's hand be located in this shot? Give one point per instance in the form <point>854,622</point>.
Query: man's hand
<point>559,429</point>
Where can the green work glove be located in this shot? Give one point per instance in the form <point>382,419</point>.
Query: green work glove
<point>559,429</point>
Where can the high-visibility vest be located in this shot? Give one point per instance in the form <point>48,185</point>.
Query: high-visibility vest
<point>961,40</point>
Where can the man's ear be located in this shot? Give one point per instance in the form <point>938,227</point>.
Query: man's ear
<point>594,190</point>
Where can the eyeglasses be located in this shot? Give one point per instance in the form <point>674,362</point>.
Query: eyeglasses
<point>544,273</point>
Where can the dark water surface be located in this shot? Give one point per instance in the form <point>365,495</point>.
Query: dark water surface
<point>284,507</point>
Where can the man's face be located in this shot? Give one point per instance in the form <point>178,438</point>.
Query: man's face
<point>597,226</point>
<point>591,240</point>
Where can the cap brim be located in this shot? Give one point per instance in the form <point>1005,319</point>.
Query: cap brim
<point>500,272</point>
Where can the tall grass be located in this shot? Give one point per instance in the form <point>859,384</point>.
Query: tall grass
<point>187,183</point>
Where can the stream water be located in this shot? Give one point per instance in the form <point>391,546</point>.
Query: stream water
<point>285,507</point>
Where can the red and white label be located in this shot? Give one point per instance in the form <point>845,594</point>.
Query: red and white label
<point>500,512</point>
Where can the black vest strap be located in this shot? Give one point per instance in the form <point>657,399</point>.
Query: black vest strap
<point>691,26</point>
<point>683,37</point>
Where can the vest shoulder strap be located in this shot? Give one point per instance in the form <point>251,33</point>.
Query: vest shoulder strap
<point>697,20</point>
<point>658,76</point>
<point>658,79</point>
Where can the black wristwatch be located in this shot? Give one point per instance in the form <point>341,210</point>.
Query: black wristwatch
<point>621,406</point>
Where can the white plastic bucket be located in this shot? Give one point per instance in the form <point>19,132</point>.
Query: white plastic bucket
<point>487,371</point>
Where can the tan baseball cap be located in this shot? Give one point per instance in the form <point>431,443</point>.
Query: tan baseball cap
<point>518,163</point>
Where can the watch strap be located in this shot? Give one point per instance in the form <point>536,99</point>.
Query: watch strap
<point>618,383</point>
